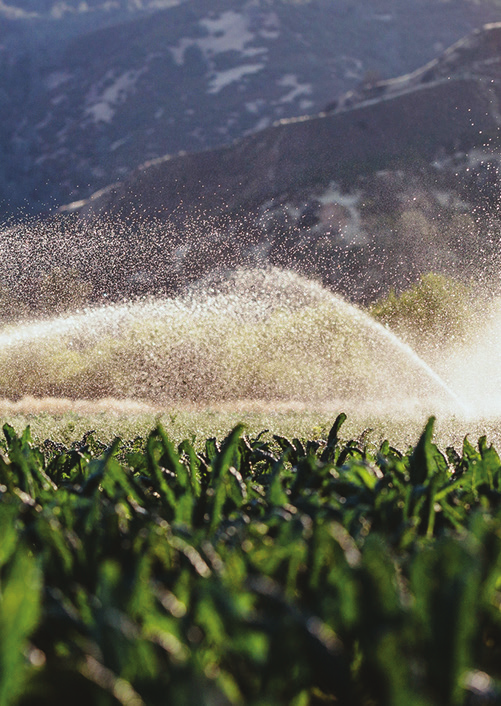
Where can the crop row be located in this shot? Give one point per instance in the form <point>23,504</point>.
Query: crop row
<point>255,571</point>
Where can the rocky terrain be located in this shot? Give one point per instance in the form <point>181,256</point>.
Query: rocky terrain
<point>399,178</point>
<point>91,90</point>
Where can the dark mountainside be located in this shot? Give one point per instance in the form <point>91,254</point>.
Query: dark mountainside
<point>89,91</point>
<point>402,172</point>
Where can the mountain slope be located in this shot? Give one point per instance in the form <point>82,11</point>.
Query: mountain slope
<point>450,105</point>
<point>399,179</point>
<point>88,96</point>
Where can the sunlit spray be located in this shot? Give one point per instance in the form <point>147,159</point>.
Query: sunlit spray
<point>264,334</point>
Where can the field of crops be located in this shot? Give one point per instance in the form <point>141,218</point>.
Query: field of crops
<point>249,570</point>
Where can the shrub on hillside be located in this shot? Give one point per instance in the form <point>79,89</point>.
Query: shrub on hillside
<point>436,309</point>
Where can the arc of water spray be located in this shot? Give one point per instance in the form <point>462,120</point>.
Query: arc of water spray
<point>308,292</point>
<point>423,365</point>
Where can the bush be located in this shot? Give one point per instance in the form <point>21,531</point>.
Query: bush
<point>435,310</point>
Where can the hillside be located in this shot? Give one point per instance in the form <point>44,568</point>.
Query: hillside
<point>91,90</point>
<point>404,172</point>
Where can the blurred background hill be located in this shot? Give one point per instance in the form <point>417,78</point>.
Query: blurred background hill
<point>90,90</point>
<point>154,141</point>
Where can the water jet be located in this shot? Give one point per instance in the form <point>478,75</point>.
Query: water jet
<point>255,334</point>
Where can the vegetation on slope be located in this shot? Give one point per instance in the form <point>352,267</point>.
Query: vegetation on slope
<point>436,308</point>
<point>253,571</point>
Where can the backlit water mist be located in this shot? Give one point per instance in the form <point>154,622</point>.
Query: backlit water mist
<point>266,335</point>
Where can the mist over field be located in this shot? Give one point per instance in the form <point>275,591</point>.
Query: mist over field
<point>153,150</point>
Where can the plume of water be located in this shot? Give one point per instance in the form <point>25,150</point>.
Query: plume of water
<point>473,368</point>
<point>248,334</point>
